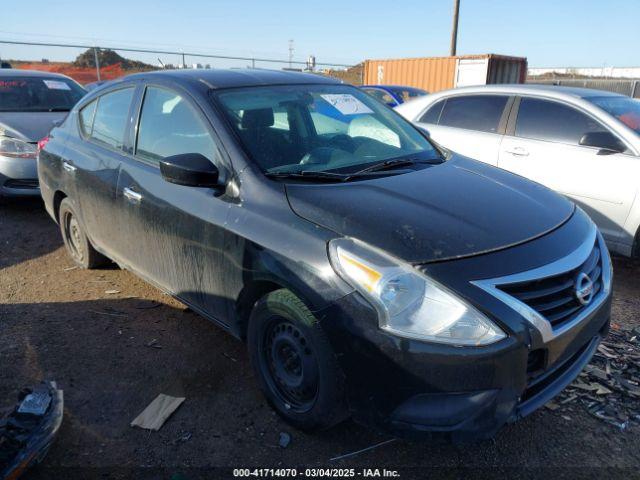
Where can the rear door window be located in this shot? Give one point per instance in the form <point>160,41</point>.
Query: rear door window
<point>474,112</point>
<point>111,117</point>
<point>553,122</point>
<point>169,125</point>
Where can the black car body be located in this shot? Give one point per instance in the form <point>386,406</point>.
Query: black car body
<point>513,281</point>
<point>31,102</point>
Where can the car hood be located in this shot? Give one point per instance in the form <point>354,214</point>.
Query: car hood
<point>28,126</point>
<point>455,209</point>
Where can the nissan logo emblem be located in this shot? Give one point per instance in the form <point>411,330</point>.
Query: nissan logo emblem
<point>584,289</point>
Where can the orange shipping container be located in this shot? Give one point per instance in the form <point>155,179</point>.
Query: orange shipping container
<point>441,73</point>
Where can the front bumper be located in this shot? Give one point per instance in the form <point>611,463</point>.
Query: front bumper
<point>18,177</point>
<point>417,389</point>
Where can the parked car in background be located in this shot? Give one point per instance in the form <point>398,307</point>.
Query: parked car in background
<point>393,95</point>
<point>30,104</point>
<point>369,274</point>
<point>580,142</point>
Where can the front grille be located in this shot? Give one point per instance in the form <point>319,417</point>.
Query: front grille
<point>555,297</point>
<point>30,183</point>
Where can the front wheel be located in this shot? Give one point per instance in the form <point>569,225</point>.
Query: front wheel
<point>75,239</point>
<point>295,364</point>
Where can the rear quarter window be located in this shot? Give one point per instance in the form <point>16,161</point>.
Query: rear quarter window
<point>86,118</point>
<point>432,115</point>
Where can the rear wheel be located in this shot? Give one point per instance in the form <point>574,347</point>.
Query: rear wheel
<point>295,364</point>
<point>75,240</point>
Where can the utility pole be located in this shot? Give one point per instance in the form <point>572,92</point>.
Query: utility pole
<point>95,55</point>
<point>454,31</point>
<point>290,53</point>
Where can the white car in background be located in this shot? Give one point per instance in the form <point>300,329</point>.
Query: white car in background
<point>582,143</point>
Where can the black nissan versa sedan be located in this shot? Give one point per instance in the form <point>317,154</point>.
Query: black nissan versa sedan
<point>370,273</point>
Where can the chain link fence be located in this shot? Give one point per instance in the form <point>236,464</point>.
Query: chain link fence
<point>94,63</point>
<point>630,88</point>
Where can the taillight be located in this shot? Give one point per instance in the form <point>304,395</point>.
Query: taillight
<point>42,142</point>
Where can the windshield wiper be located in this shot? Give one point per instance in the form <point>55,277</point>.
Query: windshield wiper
<point>310,175</point>
<point>386,165</point>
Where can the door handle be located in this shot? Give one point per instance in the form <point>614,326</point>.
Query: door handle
<point>518,151</point>
<point>68,167</point>
<point>132,196</point>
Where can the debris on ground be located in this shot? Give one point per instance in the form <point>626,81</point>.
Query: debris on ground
<point>226,355</point>
<point>153,344</point>
<point>111,314</point>
<point>185,437</point>
<point>157,412</point>
<point>28,431</point>
<point>285,440</point>
<point>352,454</point>
<point>609,387</point>
<point>147,305</point>
<point>112,292</point>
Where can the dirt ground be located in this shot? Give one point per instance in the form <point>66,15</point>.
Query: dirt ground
<point>112,353</point>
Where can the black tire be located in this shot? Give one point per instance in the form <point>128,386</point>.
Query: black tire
<point>294,363</point>
<point>75,239</point>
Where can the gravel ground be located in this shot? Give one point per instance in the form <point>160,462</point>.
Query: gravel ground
<point>112,353</point>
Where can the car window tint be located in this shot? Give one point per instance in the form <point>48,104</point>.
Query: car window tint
<point>38,94</point>
<point>110,119</point>
<point>169,125</point>
<point>433,113</point>
<point>553,122</point>
<point>474,112</point>
<point>407,94</point>
<point>86,117</point>
<point>323,128</point>
<point>381,95</point>
<point>625,109</point>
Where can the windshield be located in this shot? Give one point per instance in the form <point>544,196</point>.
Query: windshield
<point>38,94</point>
<point>319,128</point>
<point>625,109</point>
<point>408,93</point>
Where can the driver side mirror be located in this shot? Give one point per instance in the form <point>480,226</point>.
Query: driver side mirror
<point>190,170</point>
<point>607,142</point>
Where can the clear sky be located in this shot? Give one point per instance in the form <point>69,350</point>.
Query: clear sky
<point>549,32</point>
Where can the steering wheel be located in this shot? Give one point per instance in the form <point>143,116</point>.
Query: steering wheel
<point>343,142</point>
<point>318,156</point>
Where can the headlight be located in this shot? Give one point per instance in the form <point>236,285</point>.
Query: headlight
<point>410,304</point>
<point>12,147</point>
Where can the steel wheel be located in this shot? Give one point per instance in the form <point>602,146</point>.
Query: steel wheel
<point>73,236</point>
<point>289,364</point>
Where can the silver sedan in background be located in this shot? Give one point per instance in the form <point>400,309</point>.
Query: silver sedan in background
<point>31,103</point>
<point>582,143</point>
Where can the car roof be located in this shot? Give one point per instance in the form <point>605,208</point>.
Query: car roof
<point>391,87</point>
<point>533,89</point>
<point>231,78</point>
<point>17,72</point>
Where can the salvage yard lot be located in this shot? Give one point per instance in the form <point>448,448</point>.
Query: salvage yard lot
<point>113,343</point>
